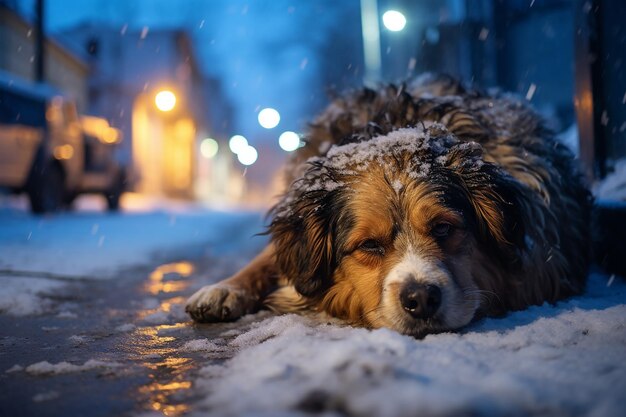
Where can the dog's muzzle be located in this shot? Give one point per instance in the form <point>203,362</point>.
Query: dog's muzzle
<point>421,301</point>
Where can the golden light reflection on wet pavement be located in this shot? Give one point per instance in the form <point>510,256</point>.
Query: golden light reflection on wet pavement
<point>166,305</point>
<point>157,350</point>
<point>157,284</point>
<point>137,321</point>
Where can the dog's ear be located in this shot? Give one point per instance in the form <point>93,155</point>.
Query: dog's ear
<point>303,231</point>
<point>499,201</point>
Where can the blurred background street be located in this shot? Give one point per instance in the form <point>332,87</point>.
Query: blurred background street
<point>142,141</point>
<point>204,100</point>
<point>92,306</point>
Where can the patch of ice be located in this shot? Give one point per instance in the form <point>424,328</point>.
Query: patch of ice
<point>200,345</point>
<point>233,332</point>
<point>24,296</point>
<point>49,328</point>
<point>128,327</point>
<point>216,349</point>
<point>46,396</point>
<point>79,339</point>
<point>47,368</point>
<point>67,315</point>
<point>14,368</point>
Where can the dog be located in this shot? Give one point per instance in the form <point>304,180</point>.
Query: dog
<point>420,208</point>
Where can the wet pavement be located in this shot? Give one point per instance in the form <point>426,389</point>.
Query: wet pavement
<point>135,325</point>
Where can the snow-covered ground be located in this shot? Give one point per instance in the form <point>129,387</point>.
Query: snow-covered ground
<point>95,244</point>
<point>566,359</point>
<point>38,254</point>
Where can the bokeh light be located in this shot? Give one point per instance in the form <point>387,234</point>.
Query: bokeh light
<point>289,141</point>
<point>209,148</point>
<point>237,143</point>
<point>269,118</point>
<point>394,20</point>
<point>165,100</point>
<point>248,155</point>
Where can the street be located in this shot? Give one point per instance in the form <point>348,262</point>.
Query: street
<point>441,171</point>
<point>128,322</point>
<point>92,324</point>
<point>134,323</point>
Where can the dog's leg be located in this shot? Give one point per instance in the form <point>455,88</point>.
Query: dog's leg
<point>241,294</point>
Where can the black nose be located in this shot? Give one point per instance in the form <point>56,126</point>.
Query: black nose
<point>419,300</point>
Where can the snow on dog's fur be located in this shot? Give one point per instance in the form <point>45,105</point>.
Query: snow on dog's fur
<point>418,208</point>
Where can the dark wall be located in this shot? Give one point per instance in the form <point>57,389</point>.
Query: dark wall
<point>535,46</point>
<point>612,77</point>
<point>509,44</point>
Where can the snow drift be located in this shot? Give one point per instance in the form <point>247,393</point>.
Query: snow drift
<point>567,359</point>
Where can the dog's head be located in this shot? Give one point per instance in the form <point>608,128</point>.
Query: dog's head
<point>384,232</point>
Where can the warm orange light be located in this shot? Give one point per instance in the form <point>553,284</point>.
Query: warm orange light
<point>179,147</point>
<point>157,285</point>
<point>100,128</point>
<point>111,135</point>
<point>64,152</point>
<point>165,100</point>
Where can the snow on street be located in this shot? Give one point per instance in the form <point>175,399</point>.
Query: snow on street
<point>93,244</point>
<point>93,324</point>
<point>562,360</point>
<point>87,295</point>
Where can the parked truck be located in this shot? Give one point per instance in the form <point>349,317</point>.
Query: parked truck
<point>52,154</point>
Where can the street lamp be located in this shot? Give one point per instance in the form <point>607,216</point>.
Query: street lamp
<point>371,42</point>
<point>289,141</point>
<point>209,148</point>
<point>237,143</point>
<point>269,118</point>
<point>394,20</point>
<point>248,155</point>
<point>165,100</point>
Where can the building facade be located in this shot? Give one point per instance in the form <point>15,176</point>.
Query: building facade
<point>66,69</point>
<point>129,68</point>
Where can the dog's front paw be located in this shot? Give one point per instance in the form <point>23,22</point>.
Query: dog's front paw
<point>220,302</point>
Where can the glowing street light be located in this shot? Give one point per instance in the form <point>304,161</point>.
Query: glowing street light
<point>237,143</point>
<point>269,118</point>
<point>165,100</point>
<point>289,141</point>
<point>248,155</point>
<point>209,148</point>
<point>394,20</point>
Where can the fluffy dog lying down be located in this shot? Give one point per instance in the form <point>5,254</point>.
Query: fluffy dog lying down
<point>419,208</point>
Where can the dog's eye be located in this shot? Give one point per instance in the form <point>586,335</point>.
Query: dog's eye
<point>441,230</point>
<point>372,246</point>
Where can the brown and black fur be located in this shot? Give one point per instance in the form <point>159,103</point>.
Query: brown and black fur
<point>524,209</point>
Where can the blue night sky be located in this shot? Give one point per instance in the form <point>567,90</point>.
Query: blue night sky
<point>266,53</point>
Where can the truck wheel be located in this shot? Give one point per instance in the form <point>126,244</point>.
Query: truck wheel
<point>114,193</point>
<point>47,190</point>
